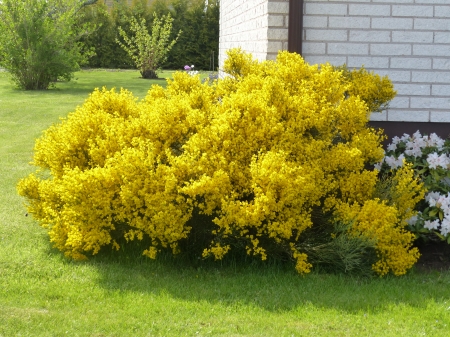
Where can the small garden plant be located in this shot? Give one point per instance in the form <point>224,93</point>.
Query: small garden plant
<point>271,160</point>
<point>429,157</point>
<point>148,50</point>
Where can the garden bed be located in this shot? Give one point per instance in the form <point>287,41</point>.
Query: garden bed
<point>435,257</point>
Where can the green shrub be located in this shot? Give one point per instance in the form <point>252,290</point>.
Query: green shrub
<point>198,44</point>
<point>246,161</point>
<point>39,41</point>
<point>148,50</point>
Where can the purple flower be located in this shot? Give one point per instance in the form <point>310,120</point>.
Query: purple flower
<point>186,67</point>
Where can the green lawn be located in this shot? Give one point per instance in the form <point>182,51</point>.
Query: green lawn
<point>43,294</point>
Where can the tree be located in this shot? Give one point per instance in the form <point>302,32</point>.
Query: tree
<point>39,40</point>
<point>149,51</point>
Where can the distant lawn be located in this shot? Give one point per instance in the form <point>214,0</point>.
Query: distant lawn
<point>43,294</point>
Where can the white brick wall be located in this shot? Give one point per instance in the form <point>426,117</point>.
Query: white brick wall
<point>408,40</point>
<point>257,26</point>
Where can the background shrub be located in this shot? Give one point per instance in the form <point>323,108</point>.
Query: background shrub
<point>262,157</point>
<point>199,24</point>
<point>39,41</point>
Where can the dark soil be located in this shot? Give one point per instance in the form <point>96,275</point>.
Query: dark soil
<point>435,257</point>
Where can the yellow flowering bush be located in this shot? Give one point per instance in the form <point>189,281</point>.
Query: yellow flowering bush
<point>255,152</point>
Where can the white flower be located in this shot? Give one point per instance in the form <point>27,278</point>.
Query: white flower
<point>405,137</point>
<point>431,224</point>
<point>412,220</point>
<point>443,202</point>
<point>433,160</point>
<point>445,227</point>
<point>435,140</point>
<point>417,135</point>
<point>395,140</point>
<point>392,146</point>
<point>432,198</point>
<point>394,162</point>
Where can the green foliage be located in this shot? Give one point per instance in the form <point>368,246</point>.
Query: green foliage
<point>148,51</point>
<point>102,39</point>
<point>334,249</point>
<point>39,41</point>
<point>198,45</point>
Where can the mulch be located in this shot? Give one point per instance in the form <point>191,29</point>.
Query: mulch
<point>435,257</point>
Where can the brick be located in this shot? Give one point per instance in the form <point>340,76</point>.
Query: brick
<point>442,11</point>
<point>322,59</point>
<point>368,62</point>
<point>413,89</point>
<point>390,49</point>
<point>325,9</point>
<point>341,1</point>
<point>442,37</point>
<point>431,76</point>
<point>276,21</point>
<point>430,103</point>
<point>399,102</point>
<point>369,10</point>
<point>348,48</point>
<point>440,116</point>
<point>408,116</point>
<point>277,34</point>
<point>392,23</point>
<point>443,64</point>
<point>433,2</point>
<point>271,56</point>
<point>431,24</point>
<point>412,11</point>
<point>440,90</point>
<point>411,36</point>
<point>431,50</point>
<point>278,7</point>
<point>326,35</point>
<point>378,116</point>
<point>310,21</point>
<point>396,75</point>
<point>349,22</point>
<point>370,36</point>
<point>396,1</point>
<point>313,48</point>
<point>410,63</point>
<point>274,46</point>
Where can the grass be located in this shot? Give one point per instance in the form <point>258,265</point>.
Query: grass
<point>43,294</point>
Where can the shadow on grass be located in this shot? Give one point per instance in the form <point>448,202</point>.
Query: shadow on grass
<point>273,286</point>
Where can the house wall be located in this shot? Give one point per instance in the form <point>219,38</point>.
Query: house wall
<point>257,26</point>
<point>408,40</point>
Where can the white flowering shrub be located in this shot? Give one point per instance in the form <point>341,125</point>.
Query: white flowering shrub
<point>430,158</point>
